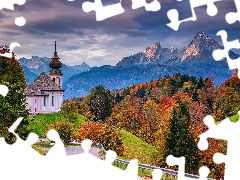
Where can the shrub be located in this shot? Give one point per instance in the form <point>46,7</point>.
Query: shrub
<point>234,118</point>
<point>65,131</point>
<point>101,133</point>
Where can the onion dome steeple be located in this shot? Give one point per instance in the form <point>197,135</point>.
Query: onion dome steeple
<point>55,64</point>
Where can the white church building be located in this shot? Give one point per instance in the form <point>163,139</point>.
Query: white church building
<point>45,94</point>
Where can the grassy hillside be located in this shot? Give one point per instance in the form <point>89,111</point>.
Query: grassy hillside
<point>40,123</point>
<point>137,148</point>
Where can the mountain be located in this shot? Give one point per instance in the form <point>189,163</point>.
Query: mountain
<point>37,65</point>
<point>29,75</point>
<point>154,62</point>
<point>154,54</point>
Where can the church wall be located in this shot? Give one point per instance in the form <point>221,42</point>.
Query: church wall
<point>55,107</point>
<point>36,103</point>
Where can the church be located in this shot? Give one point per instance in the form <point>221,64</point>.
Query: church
<point>45,94</point>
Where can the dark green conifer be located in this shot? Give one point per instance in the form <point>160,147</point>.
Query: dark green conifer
<point>180,141</point>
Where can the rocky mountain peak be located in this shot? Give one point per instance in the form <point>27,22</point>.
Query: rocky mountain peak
<point>202,40</point>
<point>201,44</point>
<point>151,51</point>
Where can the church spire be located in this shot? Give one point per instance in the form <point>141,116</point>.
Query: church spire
<point>55,63</point>
<point>55,56</point>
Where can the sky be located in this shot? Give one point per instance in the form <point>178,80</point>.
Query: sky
<point>81,38</point>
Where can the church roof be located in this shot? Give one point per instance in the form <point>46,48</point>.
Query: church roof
<point>42,83</point>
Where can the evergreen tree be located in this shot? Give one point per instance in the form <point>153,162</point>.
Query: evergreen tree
<point>100,103</point>
<point>180,141</point>
<point>14,104</point>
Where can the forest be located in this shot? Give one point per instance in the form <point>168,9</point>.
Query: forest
<point>167,113</point>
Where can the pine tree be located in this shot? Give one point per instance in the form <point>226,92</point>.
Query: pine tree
<point>180,141</point>
<point>14,104</point>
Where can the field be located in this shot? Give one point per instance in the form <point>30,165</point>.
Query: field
<point>40,124</point>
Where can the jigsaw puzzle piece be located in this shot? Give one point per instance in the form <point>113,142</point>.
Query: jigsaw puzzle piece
<point>173,14</point>
<point>232,17</point>
<point>58,150</point>
<point>18,154</point>
<point>219,54</point>
<point>204,172</point>
<point>231,159</point>
<point>153,6</point>
<point>177,161</point>
<point>132,170</point>
<point>9,54</point>
<point>231,163</point>
<point>180,162</point>
<point>216,131</point>
<point>9,4</point>
<point>3,90</point>
<point>156,174</point>
<point>102,12</point>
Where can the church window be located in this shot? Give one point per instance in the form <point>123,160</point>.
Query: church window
<point>52,100</point>
<point>54,79</point>
<point>44,101</point>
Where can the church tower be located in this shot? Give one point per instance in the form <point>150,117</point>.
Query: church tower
<point>55,72</point>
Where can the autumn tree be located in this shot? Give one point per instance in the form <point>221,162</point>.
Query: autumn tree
<point>180,141</point>
<point>197,113</point>
<point>100,103</point>
<point>127,115</point>
<point>109,137</point>
<point>14,104</point>
<point>69,109</point>
<point>205,95</point>
<point>226,103</point>
<point>165,109</point>
<point>149,125</point>
<point>233,82</point>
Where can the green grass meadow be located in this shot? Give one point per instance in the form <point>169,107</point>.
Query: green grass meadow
<point>40,124</point>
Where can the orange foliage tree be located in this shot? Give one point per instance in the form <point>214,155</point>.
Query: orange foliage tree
<point>226,103</point>
<point>109,137</point>
<point>127,115</point>
<point>197,113</point>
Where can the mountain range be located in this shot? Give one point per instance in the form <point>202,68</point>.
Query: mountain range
<point>154,62</point>
<point>36,65</point>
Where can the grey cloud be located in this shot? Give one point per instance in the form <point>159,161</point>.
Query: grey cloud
<point>77,32</point>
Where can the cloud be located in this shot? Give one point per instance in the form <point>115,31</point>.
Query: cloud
<point>81,38</point>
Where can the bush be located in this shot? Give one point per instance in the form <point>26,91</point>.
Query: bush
<point>101,133</point>
<point>234,118</point>
<point>64,130</point>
